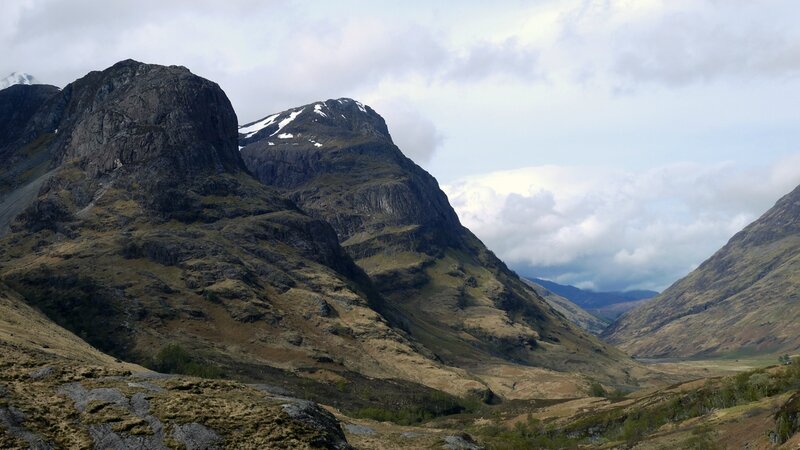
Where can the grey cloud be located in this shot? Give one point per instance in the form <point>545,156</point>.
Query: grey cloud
<point>682,48</point>
<point>505,59</point>
<point>616,230</point>
<point>415,134</point>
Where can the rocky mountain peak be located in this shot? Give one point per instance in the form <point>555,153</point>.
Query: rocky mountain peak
<point>319,124</point>
<point>134,114</point>
<point>18,78</point>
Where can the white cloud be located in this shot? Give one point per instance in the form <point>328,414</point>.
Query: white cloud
<point>415,134</point>
<point>615,229</point>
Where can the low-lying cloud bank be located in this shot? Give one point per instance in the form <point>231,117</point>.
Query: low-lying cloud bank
<point>609,229</point>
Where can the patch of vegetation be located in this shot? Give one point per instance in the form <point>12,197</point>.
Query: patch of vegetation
<point>633,424</point>
<point>420,408</point>
<point>175,359</point>
<point>597,390</point>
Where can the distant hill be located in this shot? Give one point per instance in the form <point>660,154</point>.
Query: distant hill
<point>570,310</point>
<point>744,298</point>
<point>606,305</point>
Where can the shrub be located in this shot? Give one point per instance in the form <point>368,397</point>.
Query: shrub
<point>175,359</point>
<point>419,409</point>
<point>596,390</point>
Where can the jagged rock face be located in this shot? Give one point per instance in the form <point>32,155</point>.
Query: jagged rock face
<point>336,160</point>
<point>137,114</point>
<point>152,129</point>
<point>746,297</point>
<point>343,138</point>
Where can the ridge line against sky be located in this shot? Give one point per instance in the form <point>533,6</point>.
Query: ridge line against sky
<point>703,90</point>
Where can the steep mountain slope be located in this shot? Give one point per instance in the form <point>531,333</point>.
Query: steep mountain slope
<point>746,297</point>
<point>571,311</point>
<point>26,161</point>
<point>337,161</point>
<point>608,305</point>
<point>146,230</point>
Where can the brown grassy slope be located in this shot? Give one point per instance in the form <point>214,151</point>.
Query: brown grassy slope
<point>746,297</point>
<point>56,391</point>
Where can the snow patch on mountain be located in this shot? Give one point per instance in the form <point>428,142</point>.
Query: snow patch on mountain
<point>18,78</point>
<point>254,128</point>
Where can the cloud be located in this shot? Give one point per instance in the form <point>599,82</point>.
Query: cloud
<point>613,229</point>
<point>508,59</point>
<point>415,134</point>
<point>680,42</point>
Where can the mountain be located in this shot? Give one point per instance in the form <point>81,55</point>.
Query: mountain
<point>606,305</point>
<point>571,311</point>
<point>137,227</point>
<point>18,78</point>
<point>744,298</point>
<point>336,160</point>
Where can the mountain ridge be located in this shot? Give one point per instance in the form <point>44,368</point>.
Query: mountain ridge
<point>749,287</point>
<point>443,286</point>
<point>608,305</point>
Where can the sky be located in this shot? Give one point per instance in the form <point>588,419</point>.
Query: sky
<point>609,144</point>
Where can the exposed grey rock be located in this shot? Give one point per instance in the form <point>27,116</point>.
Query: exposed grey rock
<point>81,396</point>
<point>42,372</point>
<point>196,436</point>
<point>102,434</point>
<point>461,442</point>
<point>359,430</point>
<point>409,435</point>
<point>145,385</point>
<point>105,437</point>
<point>318,418</point>
<point>11,419</point>
<point>162,117</point>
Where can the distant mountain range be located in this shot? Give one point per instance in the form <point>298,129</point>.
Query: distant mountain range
<point>605,305</point>
<point>570,310</point>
